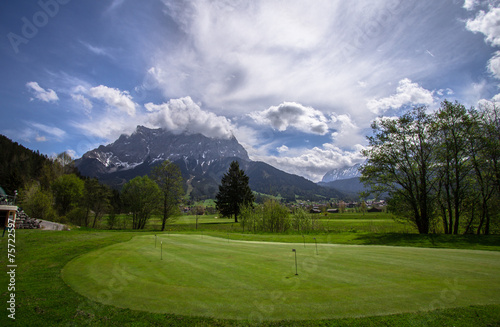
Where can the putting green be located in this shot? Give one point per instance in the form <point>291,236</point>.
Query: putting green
<point>207,276</point>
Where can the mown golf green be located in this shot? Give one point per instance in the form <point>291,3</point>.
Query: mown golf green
<point>215,277</point>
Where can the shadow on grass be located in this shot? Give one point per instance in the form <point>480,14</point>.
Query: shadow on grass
<point>476,242</point>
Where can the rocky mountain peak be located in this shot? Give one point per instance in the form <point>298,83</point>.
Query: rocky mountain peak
<point>342,173</point>
<point>147,145</point>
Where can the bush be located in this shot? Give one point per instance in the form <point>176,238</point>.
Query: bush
<point>77,216</point>
<point>275,217</point>
<point>301,221</point>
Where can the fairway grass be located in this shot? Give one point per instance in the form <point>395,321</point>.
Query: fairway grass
<point>196,275</point>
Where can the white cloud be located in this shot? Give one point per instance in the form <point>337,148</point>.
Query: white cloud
<point>475,92</point>
<point>487,23</point>
<point>184,115</point>
<point>96,50</point>
<point>496,98</point>
<point>177,115</point>
<point>470,4</point>
<point>54,131</point>
<point>108,126</point>
<point>115,98</point>
<point>446,91</point>
<point>291,114</point>
<point>35,131</point>
<point>282,149</point>
<point>407,93</point>
<point>313,163</point>
<point>347,133</point>
<point>494,65</point>
<point>238,56</point>
<point>86,103</point>
<point>42,94</point>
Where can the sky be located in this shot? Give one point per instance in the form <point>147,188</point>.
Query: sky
<point>297,82</point>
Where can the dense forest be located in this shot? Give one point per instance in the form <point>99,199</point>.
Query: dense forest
<point>52,188</point>
<point>19,165</point>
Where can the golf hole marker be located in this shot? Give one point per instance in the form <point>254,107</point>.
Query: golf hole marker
<point>296,273</point>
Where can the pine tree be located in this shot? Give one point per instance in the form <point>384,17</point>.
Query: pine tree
<point>234,192</point>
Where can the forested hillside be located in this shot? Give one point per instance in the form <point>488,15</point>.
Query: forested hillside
<point>18,165</point>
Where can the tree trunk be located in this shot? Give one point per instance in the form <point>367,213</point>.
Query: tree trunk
<point>164,220</point>
<point>445,220</point>
<point>95,219</point>
<point>487,227</point>
<point>471,220</point>
<point>457,213</point>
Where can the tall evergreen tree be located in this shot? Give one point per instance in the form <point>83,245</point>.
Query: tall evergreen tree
<point>234,192</point>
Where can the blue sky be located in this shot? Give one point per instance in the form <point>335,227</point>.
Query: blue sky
<point>297,82</point>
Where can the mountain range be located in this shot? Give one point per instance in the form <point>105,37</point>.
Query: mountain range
<point>342,173</point>
<point>201,160</point>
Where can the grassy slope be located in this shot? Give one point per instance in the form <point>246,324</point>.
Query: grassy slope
<point>43,299</point>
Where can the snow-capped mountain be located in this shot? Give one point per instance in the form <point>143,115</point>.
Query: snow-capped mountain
<point>342,173</point>
<point>201,160</point>
<point>157,145</point>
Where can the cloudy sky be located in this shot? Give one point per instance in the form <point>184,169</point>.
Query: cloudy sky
<point>297,82</point>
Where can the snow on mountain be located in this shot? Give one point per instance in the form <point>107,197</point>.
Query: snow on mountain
<point>342,173</point>
<point>201,160</point>
<point>156,145</point>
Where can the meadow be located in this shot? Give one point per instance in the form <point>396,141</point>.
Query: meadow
<point>219,276</point>
<point>345,222</point>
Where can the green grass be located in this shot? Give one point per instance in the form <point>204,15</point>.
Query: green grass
<point>219,278</point>
<point>346,222</point>
<point>44,299</point>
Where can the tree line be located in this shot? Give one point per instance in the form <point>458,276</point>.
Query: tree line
<point>18,165</point>
<point>440,169</point>
<point>54,190</point>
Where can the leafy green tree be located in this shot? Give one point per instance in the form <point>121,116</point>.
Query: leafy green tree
<point>234,192</point>
<point>363,196</point>
<point>65,163</point>
<point>453,126</point>
<point>169,179</point>
<point>141,196</point>
<point>247,217</point>
<point>342,206</point>
<point>96,198</point>
<point>275,217</point>
<point>401,161</point>
<point>36,202</point>
<point>301,220</point>
<point>68,192</point>
<point>485,158</point>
